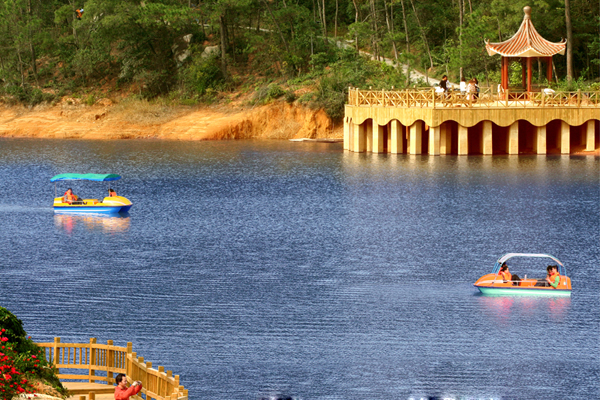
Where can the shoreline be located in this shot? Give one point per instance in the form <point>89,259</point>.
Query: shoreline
<point>106,120</point>
<point>142,120</point>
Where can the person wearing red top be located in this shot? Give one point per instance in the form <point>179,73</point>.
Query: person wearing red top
<point>122,392</point>
<point>69,196</point>
<point>507,277</point>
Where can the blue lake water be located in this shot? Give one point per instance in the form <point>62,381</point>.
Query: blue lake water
<point>257,269</point>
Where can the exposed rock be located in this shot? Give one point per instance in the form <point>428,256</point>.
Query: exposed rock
<point>278,120</point>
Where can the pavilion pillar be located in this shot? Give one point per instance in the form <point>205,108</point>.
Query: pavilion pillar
<point>445,138</point>
<point>487,138</point>
<point>565,138</point>
<point>346,133</point>
<point>434,140</point>
<point>529,67</point>
<point>369,134</point>
<point>416,132</point>
<point>539,143</point>
<point>513,138</point>
<point>396,135</point>
<point>377,138</point>
<point>523,74</point>
<point>360,144</point>
<point>504,77</point>
<point>463,140</point>
<point>590,142</point>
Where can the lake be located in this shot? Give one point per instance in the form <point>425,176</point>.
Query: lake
<point>257,269</point>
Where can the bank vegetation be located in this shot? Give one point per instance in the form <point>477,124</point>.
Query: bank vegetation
<point>251,52</point>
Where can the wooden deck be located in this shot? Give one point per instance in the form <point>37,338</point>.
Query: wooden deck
<point>92,362</point>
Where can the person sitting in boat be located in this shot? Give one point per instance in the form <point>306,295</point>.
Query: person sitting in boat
<point>552,278</point>
<point>506,276</point>
<point>70,197</point>
<point>112,193</point>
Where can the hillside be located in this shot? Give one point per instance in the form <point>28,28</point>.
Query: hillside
<point>141,119</point>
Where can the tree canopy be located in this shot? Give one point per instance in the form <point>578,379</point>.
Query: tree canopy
<point>199,47</point>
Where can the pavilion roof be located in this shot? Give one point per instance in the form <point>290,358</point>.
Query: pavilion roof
<point>527,42</point>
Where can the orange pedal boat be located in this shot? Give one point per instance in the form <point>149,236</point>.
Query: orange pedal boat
<point>494,284</point>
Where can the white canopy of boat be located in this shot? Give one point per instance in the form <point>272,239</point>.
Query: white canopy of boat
<point>508,256</point>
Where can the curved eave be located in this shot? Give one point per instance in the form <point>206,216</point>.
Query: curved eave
<point>528,52</point>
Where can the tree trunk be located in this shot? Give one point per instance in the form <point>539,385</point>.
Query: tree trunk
<point>287,49</point>
<point>375,39</point>
<point>569,41</point>
<point>355,21</point>
<point>337,7</point>
<point>223,31</point>
<point>407,43</point>
<point>460,27</point>
<point>423,36</point>
<point>390,26</point>
<point>324,24</point>
<point>31,46</point>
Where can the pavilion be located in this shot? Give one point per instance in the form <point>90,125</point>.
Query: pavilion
<point>526,44</point>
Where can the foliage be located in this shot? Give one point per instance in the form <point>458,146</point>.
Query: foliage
<point>202,74</point>
<point>156,46</point>
<point>352,70</point>
<point>21,360</point>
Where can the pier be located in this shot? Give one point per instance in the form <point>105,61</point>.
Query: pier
<point>426,122</point>
<point>511,120</point>
<point>94,367</point>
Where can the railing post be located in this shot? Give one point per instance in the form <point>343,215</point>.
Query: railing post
<point>146,380</point>
<point>506,93</point>
<point>55,350</point>
<point>578,97</point>
<point>543,98</point>
<point>92,360</point>
<point>161,386</point>
<point>110,362</point>
<point>433,96</point>
<point>127,359</point>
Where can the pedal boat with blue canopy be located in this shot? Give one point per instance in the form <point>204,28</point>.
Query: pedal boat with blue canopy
<point>108,205</point>
<point>493,284</point>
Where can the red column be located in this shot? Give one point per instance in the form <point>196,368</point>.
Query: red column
<point>523,74</point>
<point>504,73</point>
<point>529,74</point>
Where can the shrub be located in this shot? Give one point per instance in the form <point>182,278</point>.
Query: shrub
<point>22,358</point>
<point>202,74</point>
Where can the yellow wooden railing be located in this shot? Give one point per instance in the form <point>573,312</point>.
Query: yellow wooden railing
<point>428,98</point>
<point>104,361</point>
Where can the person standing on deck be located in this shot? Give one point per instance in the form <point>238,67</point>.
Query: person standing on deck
<point>122,392</point>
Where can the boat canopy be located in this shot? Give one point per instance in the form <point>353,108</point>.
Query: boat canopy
<point>86,177</point>
<point>561,268</point>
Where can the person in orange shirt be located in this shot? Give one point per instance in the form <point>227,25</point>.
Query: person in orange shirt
<point>112,193</point>
<point>553,277</point>
<point>122,392</point>
<point>504,273</point>
<point>69,196</point>
<point>507,277</point>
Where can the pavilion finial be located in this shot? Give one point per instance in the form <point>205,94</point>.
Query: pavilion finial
<point>527,11</point>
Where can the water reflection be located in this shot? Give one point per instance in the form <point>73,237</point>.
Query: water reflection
<point>503,308</point>
<point>108,223</point>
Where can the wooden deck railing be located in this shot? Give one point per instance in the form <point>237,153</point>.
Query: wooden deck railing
<point>430,99</point>
<point>104,361</point>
